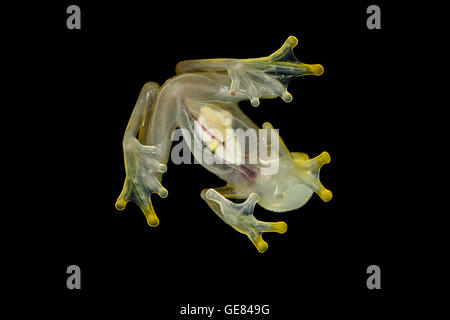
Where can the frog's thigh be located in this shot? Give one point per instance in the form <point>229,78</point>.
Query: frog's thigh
<point>240,215</point>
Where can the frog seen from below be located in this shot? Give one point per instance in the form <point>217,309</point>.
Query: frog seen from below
<point>202,100</point>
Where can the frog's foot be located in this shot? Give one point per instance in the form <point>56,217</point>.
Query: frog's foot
<point>142,170</point>
<point>309,171</point>
<point>269,76</point>
<point>265,77</point>
<point>240,216</point>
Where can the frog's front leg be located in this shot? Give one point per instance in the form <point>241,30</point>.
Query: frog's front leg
<point>256,78</point>
<point>143,170</point>
<point>240,215</point>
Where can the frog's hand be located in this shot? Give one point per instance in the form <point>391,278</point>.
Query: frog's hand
<point>256,78</point>
<point>240,217</point>
<point>143,171</point>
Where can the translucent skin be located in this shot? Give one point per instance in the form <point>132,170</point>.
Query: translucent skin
<point>202,100</point>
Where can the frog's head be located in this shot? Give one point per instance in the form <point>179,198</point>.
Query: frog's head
<point>295,182</point>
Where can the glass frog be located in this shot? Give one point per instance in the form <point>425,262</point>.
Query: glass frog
<point>202,100</point>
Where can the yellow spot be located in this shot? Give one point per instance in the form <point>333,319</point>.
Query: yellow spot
<point>280,227</point>
<point>261,245</point>
<point>150,214</point>
<point>153,221</point>
<point>120,204</point>
<point>325,157</point>
<point>213,144</point>
<point>325,195</point>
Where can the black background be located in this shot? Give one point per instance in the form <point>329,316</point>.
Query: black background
<point>91,79</point>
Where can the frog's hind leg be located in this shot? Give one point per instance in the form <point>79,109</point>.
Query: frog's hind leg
<point>143,170</point>
<point>255,78</point>
<point>240,215</point>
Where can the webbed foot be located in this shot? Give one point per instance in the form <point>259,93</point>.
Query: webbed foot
<point>269,76</point>
<point>240,216</point>
<point>256,78</point>
<point>309,171</point>
<point>141,178</point>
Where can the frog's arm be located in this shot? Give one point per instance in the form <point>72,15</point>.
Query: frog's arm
<point>240,215</point>
<point>144,163</point>
<point>266,77</point>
